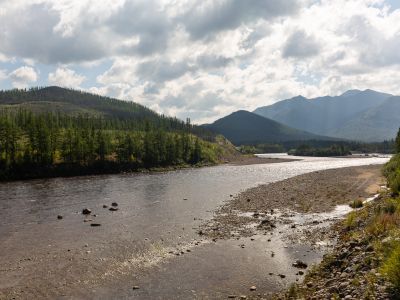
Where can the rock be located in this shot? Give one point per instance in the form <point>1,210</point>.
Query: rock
<point>95,224</point>
<point>282,276</point>
<point>301,273</point>
<point>300,264</point>
<point>86,211</point>
<point>135,287</point>
<point>253,288</point>
<point>113,209</point>
<point>184,199</point>
<point>369,248</point>
<point>115,204</point>
<point>232,296</point>
<point>105,206</point>
<point>200,232</point>
<point>309,285</point>
<point>59,217</point>
<point>243,297</point>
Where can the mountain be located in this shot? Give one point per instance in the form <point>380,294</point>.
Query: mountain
<point>375,124</point>
<point>243,127</point>
<point>329,115</point>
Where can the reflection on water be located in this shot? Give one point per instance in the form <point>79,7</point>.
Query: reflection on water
<point>148,200</point>
<point>152,211</point>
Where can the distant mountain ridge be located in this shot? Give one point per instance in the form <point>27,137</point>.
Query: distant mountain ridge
<point>356,115</point>
<point>243,127</point>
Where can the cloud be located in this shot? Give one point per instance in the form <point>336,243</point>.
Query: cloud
<point>202,58</point>
<point>301,45</point>
<point>23,77</point>
<point>66,78</point>
<point>208,17</point>
<point>29,32</point>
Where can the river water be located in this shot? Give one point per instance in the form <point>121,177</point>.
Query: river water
<point>157,212</point>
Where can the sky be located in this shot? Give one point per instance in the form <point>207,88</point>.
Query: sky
<point>201,59</point>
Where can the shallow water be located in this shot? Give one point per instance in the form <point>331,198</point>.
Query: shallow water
<point>152,210</point>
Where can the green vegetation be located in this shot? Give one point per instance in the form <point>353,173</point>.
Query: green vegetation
<point>262,148</point>
<point>320,146</point>
<point>120,136</point>
<point>356,204</point>
<point>334,150</point>
<point>391,267</point>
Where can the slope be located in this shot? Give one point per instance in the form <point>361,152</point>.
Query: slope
<point>243,127</point>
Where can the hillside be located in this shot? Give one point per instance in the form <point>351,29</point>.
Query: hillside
<point>54,132</point>
<point>59,99</point>
<point>326,115</point>
<point>78,103</point>
<point>243,127</point>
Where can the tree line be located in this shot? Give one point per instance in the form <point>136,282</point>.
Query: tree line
<point>37,145</point>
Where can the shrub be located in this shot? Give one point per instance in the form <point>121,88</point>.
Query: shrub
<point>351,220</point>
<point>356,204</point>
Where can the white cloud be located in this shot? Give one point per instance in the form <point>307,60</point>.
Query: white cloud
<point>23,77</point>
<point>66,78</point>
<point>204,58</point>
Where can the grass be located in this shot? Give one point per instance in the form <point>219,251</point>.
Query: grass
<point>391,266</point>
<point>356,204</point>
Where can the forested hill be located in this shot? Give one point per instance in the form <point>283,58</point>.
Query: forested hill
<point>71,102</point>
<point>56,132</point>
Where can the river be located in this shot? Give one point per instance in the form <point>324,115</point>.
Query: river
<point>44,257</point>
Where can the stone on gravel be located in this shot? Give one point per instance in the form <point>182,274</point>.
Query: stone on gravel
<point>113,209</point>
<point>253,288</point>
<point>115,204</point>
<point>86,211</point>
<point>300,264</point>
<point>59,217</point>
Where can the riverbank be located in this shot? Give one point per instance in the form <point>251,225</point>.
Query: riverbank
<point>364,263</point>
<point>109,168</point>
<point>309,210</point>
<point>311,193</point>
<point>43,257</point>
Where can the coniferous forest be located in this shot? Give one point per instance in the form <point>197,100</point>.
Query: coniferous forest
<point>54,143</point>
